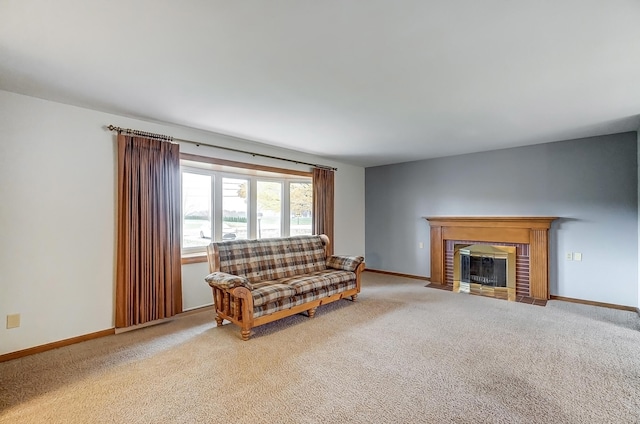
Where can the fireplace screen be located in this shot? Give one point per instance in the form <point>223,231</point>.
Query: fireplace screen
<point>485,269</point>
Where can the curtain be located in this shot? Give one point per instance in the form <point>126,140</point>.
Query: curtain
<point>323,203</point>
<point>148,262</point>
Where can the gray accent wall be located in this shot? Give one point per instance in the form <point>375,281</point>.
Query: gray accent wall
<point>591,184</point>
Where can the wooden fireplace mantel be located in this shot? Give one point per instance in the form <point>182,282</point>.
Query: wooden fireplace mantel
<point>531,230</point>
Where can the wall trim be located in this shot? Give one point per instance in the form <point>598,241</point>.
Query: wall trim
<point>398,274</point>
<point>552,297</point>
<point>54,345</point>
<point>164,320</point>
<point>111,331</point>
<point>108,332</point>
<point>196,309</point>
<point>593,303</point>
<point>194,258</point>
<point>243,165</point>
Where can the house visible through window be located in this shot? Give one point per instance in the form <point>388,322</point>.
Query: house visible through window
<point>227,203</point>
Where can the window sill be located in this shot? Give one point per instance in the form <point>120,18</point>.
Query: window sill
<point>194,258</point>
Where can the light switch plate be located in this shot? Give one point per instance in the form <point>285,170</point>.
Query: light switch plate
<point>577,256</point>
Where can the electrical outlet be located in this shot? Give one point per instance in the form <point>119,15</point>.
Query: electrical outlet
<point>577,256</point>
<point>421,245</point>
<point>569,256</point>
<point>13,321</point>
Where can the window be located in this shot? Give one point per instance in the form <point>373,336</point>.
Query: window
<point>228,203</point>
<point>300,204</point>
<point>269,201</point>
<point>196,209</point>
<point>235,219</point>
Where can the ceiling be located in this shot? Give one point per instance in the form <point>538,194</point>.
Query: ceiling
<point>366,82</point>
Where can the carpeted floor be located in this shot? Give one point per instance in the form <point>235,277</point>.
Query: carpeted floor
<point>401,354</point>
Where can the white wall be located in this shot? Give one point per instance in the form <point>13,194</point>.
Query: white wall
<point>195,293</point>
<point>57,211</point>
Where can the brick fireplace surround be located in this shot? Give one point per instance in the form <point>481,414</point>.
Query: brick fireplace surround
<point>528,234</point>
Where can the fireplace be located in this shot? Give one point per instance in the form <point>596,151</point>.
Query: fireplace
<point>529,236</point>
<point>485,269</point>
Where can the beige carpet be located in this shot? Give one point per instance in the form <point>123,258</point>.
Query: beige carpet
<point>401,354</point>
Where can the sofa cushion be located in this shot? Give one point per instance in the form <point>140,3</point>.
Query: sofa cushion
<point>272,259</point>
<point>227,281</point>
<point>290,302</point>
<point>346,263</point>
<point>270,291</point>
<point>317,280</point>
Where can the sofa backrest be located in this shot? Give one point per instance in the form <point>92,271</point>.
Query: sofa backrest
<point>273,258</point>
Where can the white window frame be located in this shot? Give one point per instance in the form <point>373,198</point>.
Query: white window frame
<point>252,210</point>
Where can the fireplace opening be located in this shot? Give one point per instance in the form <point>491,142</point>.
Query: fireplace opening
<point>486,270</point>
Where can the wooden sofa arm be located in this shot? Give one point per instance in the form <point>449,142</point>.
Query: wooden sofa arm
<point>244,310</point>
<point>234,305</point>
<point>359,271</point>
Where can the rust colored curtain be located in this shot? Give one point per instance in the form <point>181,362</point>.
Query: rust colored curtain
<point>323,203</point>
<point>148,276</point>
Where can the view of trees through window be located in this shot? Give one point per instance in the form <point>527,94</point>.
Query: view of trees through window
<point>269,217</point>
<point>196,209</point>
<point>300,204</point>
<point>234,209</point>
<point>220,206</point>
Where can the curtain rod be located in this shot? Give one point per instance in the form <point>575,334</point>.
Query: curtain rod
<point>197,143</point>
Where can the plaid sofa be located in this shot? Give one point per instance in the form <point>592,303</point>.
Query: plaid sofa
<point>259,281</point>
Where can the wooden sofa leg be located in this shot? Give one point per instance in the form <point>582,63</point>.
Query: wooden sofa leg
<point>311,312</point>
<point>245,334</point>
<point>354,297</point>
<point>219,321</point>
